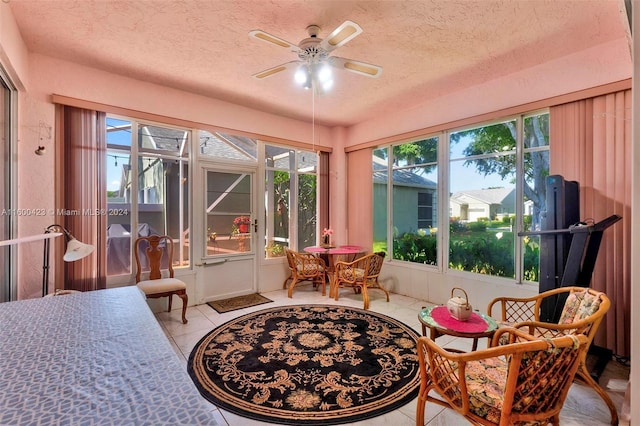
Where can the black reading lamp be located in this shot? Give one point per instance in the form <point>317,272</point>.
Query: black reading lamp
<point>76,250</point>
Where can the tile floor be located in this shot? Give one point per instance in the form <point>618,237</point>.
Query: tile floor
<point>583,407</point>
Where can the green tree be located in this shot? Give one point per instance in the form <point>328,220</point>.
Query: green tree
<point>412,153</point>
<point>501,138</point>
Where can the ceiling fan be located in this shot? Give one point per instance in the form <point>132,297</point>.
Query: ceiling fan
<point>314,60</point>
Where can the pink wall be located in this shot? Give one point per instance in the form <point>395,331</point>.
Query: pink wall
<point>13,53</point>
<point>338,187</point>
<point>603,64</point>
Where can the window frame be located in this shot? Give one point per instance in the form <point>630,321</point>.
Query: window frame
<point>9,288</point>
<point>136,154</point>
<point>294,171</point>
<point>444,197</point>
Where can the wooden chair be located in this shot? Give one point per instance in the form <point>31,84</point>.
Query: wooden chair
<point>501,385</point>
<point>157,286</point>
<point>582,313</point>
<point>305,267</point>
<point>361,274</point>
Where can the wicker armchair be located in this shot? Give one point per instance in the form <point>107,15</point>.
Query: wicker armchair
<point>361,274</point>
<point>582,313</point>
<point>305,267</point>
<point>502,385</point>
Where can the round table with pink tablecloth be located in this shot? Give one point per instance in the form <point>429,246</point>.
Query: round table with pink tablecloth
<point>440,322</point>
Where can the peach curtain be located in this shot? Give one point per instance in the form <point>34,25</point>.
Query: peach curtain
<point>81,189</point>
<point>591,144</point>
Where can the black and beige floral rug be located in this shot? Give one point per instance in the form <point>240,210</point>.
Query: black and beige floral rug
<point>308,365</point>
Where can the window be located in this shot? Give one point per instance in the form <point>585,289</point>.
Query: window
<point>8,290</point>
<point>414,179</point>
<point>534,178</point>
<point>147,167</point>
<point>496,191</point>
<point>290,175</point>
<point>226,147</point>
<point>496,179</point>
<point>482,201</point>
<point>425,210</point>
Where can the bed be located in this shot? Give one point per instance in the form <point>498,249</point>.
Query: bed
<point>93,358</point>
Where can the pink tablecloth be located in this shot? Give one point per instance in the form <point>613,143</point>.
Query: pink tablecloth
<point>337,251</point>
<point>315,249</point>
<point>475,323</point>
<point>345,250</point>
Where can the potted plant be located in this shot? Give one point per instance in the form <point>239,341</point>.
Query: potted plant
<point>242,223</point>
<point>274,250</point>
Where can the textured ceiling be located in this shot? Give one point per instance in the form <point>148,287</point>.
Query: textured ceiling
<point>426,47</point>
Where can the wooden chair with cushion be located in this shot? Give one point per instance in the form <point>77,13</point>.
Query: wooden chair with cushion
<point>361,274</point>
<point>502,385</point>
<point>582,313</point>
<point>155,248</point>
<point>305,267</point>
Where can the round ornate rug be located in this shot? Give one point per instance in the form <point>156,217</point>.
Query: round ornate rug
<point>308,365</point>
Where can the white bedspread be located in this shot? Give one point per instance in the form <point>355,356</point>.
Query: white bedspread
<point>94,358</point>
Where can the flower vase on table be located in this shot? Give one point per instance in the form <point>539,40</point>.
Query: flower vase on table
<point>326,238</point>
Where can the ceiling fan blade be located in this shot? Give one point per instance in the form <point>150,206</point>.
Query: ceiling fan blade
<point>271,39</point>
<point>275,70</point>
<point>362,68</point>
<point>341,35</point>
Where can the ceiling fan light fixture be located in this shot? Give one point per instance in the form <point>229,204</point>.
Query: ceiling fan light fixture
<point>324,73</point>
<point>302,75</point>
<point>312,67</point>
<point>316,74</point>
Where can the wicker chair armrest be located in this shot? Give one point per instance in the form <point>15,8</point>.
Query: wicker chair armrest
<point>341,264</point>
<point>547,329</point>
<point>361,263</point>
<point>345,264</point>
<point>309,256</point>
<point>513,335</point>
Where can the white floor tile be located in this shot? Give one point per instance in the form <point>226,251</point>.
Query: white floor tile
<point>583,407</point>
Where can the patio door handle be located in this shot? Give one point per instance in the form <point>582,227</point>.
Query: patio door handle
<point>255,225</point>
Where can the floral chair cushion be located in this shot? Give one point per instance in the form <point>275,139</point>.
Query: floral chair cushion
<point>486,381</point>
<point>310,269</point>
<point>579,305</point>
<point>352,274</point>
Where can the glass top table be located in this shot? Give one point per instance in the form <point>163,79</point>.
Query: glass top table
<point>440,323</point>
